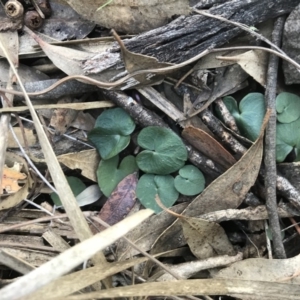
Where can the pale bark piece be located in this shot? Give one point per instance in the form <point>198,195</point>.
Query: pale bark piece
<point>227,191</point>
<point>10,40</point>
<point>87,161</point>
<point>55,240</point>
<point>130,16</point>
<point>188,269</point>
<point>15,263</point>
<point>206,239</point>
<point>277,270</point>
<point>290,45</point>
<point>291,171</point>
<point>208,146</point>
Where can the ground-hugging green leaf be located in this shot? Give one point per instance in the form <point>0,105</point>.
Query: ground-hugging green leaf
<point>109,174</point>
<point>76,185</point>
<point>250,114</point>
<point>287,139</point>
<point>151,185</point>
<point>227,191</point>
<point>165,152</point>
<point>190,181</point>
<point>287,107</point>
<point>112,132</point>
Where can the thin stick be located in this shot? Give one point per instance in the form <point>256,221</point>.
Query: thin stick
<point>270,145</point>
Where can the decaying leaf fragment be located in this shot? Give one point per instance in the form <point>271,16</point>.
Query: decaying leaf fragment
<point>11,176</point>
<point>86,160</point>
<point>130,16</point>
<point>206,239</point>
<point>227,191</point>
<point>254,62</point>
<point>120,202</point>
<point>136,62</point>
<point>10,182</point>
<point>209,146</point>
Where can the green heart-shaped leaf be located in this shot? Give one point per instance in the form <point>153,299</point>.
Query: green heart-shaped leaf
<point>112,132</point>
<point>76,185</point>
<point>151,185</point>
<point>288,107</point>
<point>287,139</point>
<point>250,115</point>
<point>109,175</point>
<point>165,152</point>
<point>190,181</point>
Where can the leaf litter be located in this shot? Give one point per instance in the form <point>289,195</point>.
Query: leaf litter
<point>209,244</point>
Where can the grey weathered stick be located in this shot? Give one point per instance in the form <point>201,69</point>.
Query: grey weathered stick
<point>270,145</point>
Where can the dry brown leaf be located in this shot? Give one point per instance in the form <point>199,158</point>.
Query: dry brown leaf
<point>74,62</point>
<point>131,16</point>
<point>120,202</point>
<point>227,81</point>
<point>254,62</point>
<point>208,146</point>
<point>227,191</point>
<point>67,59</point>
<point>84,121</point>
<point>206,239</point>
<point>87,161</point>
<point>30,137</point>
<point>11,178</point>
<point>279,270</point>
<point>12,200</point>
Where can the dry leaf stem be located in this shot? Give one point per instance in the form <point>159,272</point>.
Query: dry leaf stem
<point>270,144</point>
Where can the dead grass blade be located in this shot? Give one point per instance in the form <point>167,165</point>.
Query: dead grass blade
<point>65,193</point>
<point>259,289</point>
<point>71,258</point>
